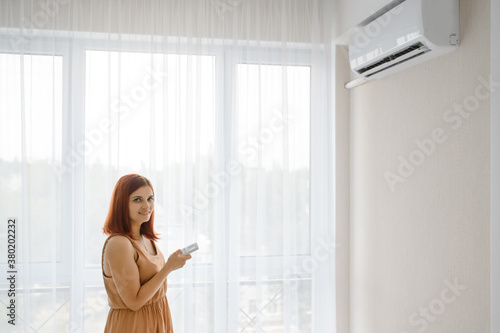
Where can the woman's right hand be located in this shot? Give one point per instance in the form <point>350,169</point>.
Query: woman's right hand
<point>177,260</point>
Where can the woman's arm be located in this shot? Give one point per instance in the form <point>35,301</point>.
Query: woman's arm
<point>125,273</point>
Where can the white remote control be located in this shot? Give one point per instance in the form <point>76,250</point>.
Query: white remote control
<point>190,249</point>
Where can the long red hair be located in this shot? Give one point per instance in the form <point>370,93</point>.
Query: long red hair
<point>118,220</point>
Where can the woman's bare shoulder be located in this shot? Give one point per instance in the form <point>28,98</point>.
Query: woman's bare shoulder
<point>119,244</point>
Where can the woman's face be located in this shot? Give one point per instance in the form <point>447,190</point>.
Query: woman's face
<point>141,204</point>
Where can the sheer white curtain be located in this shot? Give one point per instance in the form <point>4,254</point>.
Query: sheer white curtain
<point>225,105</point>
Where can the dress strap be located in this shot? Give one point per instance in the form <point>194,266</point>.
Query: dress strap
<point>136,247</point>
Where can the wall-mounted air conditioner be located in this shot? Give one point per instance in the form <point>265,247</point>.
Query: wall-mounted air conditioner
<point>402,36</point>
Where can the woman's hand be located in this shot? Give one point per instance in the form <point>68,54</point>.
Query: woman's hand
<point>177,260</point>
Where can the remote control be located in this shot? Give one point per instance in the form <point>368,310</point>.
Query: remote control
<point>190,249</point>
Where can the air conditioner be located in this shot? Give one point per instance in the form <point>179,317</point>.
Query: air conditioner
<point>402,35</point>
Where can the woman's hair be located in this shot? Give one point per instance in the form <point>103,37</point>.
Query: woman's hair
<point>118,220</point>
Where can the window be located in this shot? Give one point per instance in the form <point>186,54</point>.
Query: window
<point>42,90</point>
<point>274,194</point>
<point>31,107</point>
<point>226,142</point>
<point>264,109</point>
<point>139,111</point>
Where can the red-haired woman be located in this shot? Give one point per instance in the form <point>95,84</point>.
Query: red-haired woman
<point>133,267</point>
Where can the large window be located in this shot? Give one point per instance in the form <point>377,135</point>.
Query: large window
<point>226,143</point>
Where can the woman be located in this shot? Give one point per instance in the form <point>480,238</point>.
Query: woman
<point>133,267</point>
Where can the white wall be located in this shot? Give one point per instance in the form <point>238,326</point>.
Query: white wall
<point>495,171</point>
<point>342,188</point>
<point>409,244</point>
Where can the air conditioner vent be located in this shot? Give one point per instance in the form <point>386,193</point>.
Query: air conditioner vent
<point>396,58</point>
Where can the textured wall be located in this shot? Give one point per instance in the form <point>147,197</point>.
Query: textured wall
<point>342,184</point>
<point>420,247</point>
<point>495,171</point>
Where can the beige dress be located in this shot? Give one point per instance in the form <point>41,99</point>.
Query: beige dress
<point>154,316</point>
